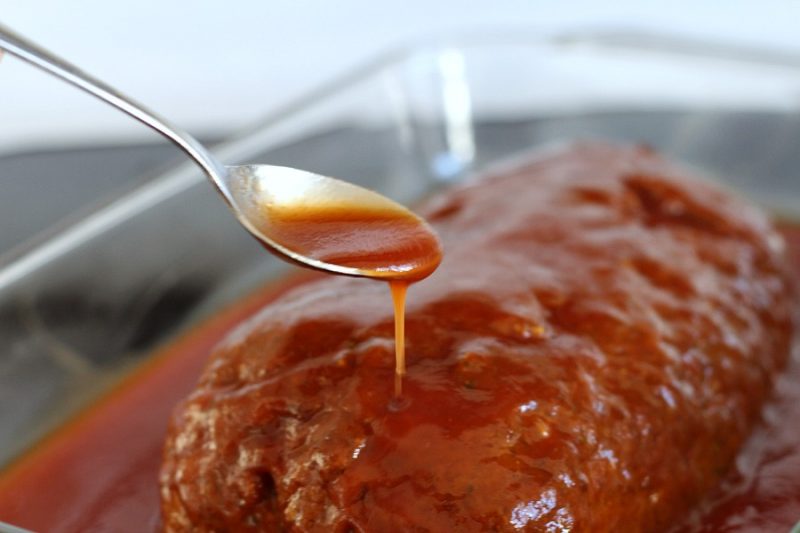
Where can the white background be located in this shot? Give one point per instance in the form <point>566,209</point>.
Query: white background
<point>214,66</point>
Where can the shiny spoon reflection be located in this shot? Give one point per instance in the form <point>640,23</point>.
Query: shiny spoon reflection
<point>316,221</point>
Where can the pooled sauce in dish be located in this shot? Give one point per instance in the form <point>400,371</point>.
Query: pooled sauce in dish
<point>100,473</point>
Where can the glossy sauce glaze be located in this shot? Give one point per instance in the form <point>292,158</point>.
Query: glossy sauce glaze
<point>762,492</point>
<point>590,355</point>
<point>385,243</point>
<point>382,241</point>
<point>99,473</point>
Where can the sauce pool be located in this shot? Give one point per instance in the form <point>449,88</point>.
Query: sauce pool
<point>100,472</point>
<point>382,243</point>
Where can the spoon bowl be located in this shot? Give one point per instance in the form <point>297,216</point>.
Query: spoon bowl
<point>332,225</point>
<point>313,220</point>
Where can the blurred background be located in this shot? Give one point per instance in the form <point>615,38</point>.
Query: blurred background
<point>216,67</point>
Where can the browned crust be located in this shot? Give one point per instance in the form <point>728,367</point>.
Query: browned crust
<point>589,356</point>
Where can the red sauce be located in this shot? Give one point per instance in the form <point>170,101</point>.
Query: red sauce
<point>763,491</point>
<point>100,472</point>
<point>106,462</point>
<point>591,355</point>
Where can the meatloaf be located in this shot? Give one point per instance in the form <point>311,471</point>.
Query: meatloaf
<point>590,355</point>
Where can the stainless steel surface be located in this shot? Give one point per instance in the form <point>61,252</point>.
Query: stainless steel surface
<point>247,189</point>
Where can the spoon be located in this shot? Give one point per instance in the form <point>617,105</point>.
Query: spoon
<point>313,220</point>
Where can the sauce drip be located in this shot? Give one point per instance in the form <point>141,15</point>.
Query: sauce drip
<point>383,241</point>
<point>399,289</point>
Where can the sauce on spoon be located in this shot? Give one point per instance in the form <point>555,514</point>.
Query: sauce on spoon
<point>381,239</point>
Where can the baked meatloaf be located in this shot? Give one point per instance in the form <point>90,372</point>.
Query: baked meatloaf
<point>589,356</point>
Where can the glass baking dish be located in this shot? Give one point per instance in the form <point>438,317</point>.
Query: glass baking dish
<point>83,308</point>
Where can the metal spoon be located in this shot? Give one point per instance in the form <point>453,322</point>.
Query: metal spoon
<point>258,193</point>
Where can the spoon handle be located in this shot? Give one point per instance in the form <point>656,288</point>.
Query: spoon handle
<point>36,55</point>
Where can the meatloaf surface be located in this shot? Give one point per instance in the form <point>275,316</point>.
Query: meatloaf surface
<point>589,356</point>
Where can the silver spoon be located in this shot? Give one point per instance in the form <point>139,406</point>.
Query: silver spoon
<point>258,195</point>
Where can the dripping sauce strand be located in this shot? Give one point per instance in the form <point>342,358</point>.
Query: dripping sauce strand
<point>399,289</point>
<point>382,242</point>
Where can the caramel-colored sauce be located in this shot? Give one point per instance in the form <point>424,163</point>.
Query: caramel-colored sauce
<point>399,289</point>
<point>386,243</point>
